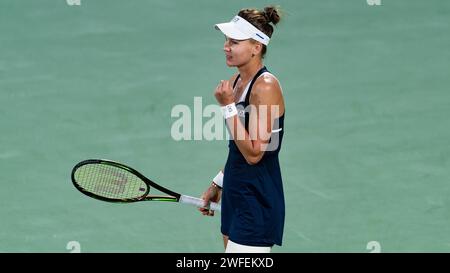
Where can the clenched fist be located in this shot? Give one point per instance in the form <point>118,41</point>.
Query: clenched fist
<point>224,93</point>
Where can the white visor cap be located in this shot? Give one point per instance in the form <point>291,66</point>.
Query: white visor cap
<point>240,29</point>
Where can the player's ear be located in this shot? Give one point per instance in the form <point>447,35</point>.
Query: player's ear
<point>257,48</point>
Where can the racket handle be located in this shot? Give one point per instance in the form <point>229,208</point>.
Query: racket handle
<point>198,202</point>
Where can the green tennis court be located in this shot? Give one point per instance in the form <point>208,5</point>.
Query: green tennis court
<point>365,157</point>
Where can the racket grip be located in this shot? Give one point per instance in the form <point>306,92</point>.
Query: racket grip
<point>198,202</point>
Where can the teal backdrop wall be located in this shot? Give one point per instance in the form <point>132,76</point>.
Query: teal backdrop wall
<point>366,155</point>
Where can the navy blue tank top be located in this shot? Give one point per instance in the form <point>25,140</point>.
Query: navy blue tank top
<point>253,207</point>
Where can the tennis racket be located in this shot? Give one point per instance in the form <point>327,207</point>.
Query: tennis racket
<point>115,182</point>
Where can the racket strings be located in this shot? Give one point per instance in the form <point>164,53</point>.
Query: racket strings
<point>110,182</point>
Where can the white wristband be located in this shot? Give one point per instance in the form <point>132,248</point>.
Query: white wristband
<point>229,110</point>
<point>218,180</point>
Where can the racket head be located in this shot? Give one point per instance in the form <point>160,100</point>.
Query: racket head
<point>109,181</point>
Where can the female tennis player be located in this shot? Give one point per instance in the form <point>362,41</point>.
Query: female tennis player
<point>250,185</point>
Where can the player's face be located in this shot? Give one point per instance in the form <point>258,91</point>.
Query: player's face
<point>238,52</point>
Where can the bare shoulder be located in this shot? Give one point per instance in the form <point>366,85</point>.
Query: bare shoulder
<point>267,88</point>
<point>267,91</point>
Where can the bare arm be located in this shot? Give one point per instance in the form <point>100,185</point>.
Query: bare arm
<point>266,105</point>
